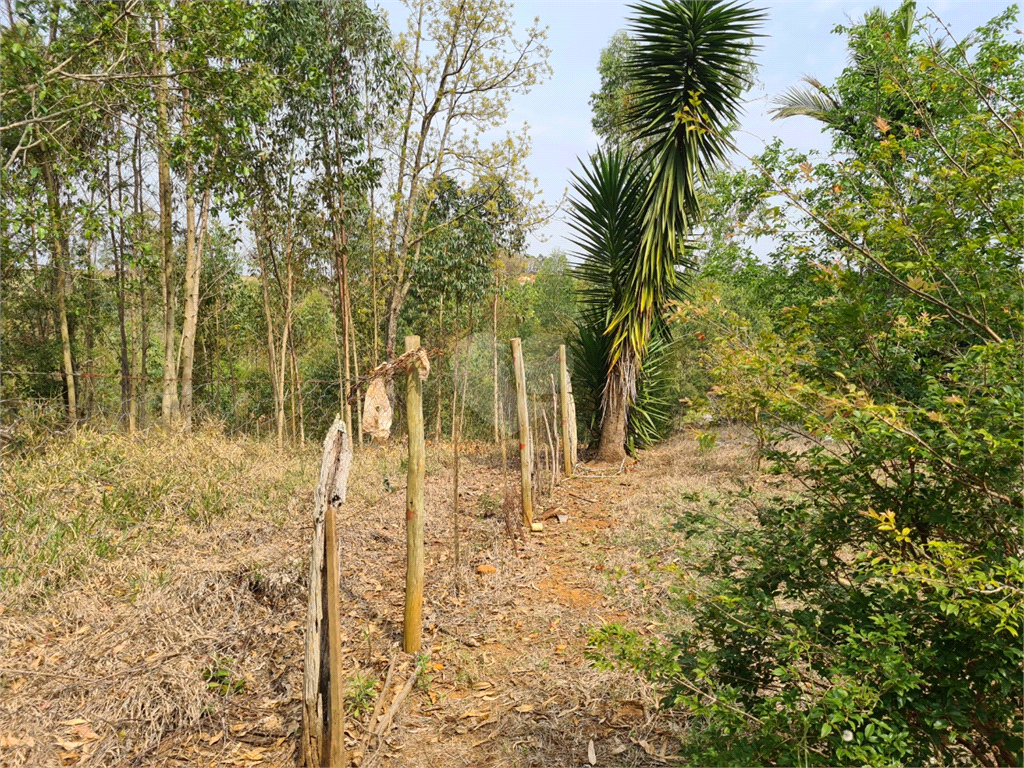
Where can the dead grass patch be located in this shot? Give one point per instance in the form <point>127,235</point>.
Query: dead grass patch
<point>178,642</point>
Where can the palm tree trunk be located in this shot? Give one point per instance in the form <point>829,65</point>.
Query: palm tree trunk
<point>615,407</point>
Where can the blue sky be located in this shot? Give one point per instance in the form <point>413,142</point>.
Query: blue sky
<point>798,41</point>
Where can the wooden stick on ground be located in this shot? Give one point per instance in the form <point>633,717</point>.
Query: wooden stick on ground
<point>377,708</point>
<point>385,725</point>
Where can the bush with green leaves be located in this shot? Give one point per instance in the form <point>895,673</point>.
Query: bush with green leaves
<point>875,617</point>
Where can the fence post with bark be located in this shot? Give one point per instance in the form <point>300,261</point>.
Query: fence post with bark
<point>525,443</point>
<point>323,713</point>
<point>568,458</point>
<point>412,628</point>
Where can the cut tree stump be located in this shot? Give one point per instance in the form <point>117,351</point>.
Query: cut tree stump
<point>323,716</point>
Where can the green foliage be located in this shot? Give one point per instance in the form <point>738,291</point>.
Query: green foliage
<point>610,105</point>
<point>220,679</point>
<point>361,694</point>
<point>650,417</point>
<point>607,215</point>
<point>873,618</point>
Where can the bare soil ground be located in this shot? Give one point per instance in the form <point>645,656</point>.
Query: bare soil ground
<point>184,647</point>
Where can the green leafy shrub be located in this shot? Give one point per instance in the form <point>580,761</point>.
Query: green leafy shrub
<point>875,617</point>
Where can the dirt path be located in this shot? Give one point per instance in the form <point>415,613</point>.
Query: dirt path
<point>507,681</point>
<point>188,650</point>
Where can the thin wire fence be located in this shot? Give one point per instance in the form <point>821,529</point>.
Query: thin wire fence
<point>471,388</point>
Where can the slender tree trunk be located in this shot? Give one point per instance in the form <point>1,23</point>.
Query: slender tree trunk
<point>217,357</point>
<point>292,377</point>
<point>193,269</point>
<point>456,359</point>
<point>440,389</point>
<point>89,365</point>
<point>143,389</point>
<point>373,281</point>
<point>285,338</point>
<point>234,383</point>
<point>117,247</point>
<point>298,388</point>
<point>455,461</point>
<point>169,401</point>
<point>60,267</point>
<point>355,362</point>
<point>139,393</point>
<point>495,353</point>
<point>271,345</point>
<point>341,259</point>
<point>337,352</point>
<point>342,270</point>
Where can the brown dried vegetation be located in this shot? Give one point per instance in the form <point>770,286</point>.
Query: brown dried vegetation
<point>154,599</point>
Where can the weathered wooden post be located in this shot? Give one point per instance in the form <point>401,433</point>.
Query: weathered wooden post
<point>414,506</point>
<point>563,386</point>
<point>525,444</point>
<point>323,713</point>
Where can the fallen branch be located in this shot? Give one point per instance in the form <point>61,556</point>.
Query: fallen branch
<point>389,369</point>
<point>397,703</point>
<point>582,498</point>
<point>377,707</point>
<point>385,725</point>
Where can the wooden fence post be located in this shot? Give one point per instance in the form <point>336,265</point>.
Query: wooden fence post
<point>412,632</point>
<point>563,386</point>
<point>525,444</point>
<point>323,713</point>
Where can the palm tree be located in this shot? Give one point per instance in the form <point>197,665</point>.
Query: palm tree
<point>607,218</point>
<point>688,69</point>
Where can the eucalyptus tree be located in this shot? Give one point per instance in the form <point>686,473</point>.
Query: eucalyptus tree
<point>66,67</point>
<point>223,92</point>
<point>349,87</point>
<point>462,62</point>
<point>689,67</point>
<point>611,101</point>
<point>78,80</point>
<point>331,64</point>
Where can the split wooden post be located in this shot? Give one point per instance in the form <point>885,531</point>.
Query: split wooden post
<point>335,749</point>
<point>525,444</point>
<point>323,713</point>
<point>563,386</point>
<point>413,627</point>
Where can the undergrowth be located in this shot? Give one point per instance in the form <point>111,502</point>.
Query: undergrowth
<point>98,495</point>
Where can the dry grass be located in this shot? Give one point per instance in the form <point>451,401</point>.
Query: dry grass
<point>139,577</point>
<point>155,594</point>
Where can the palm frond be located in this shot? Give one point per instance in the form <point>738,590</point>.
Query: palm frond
<point>690,67</point>
<point>605,220</point>
<point>650,414</point>
<point>814,101</point>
